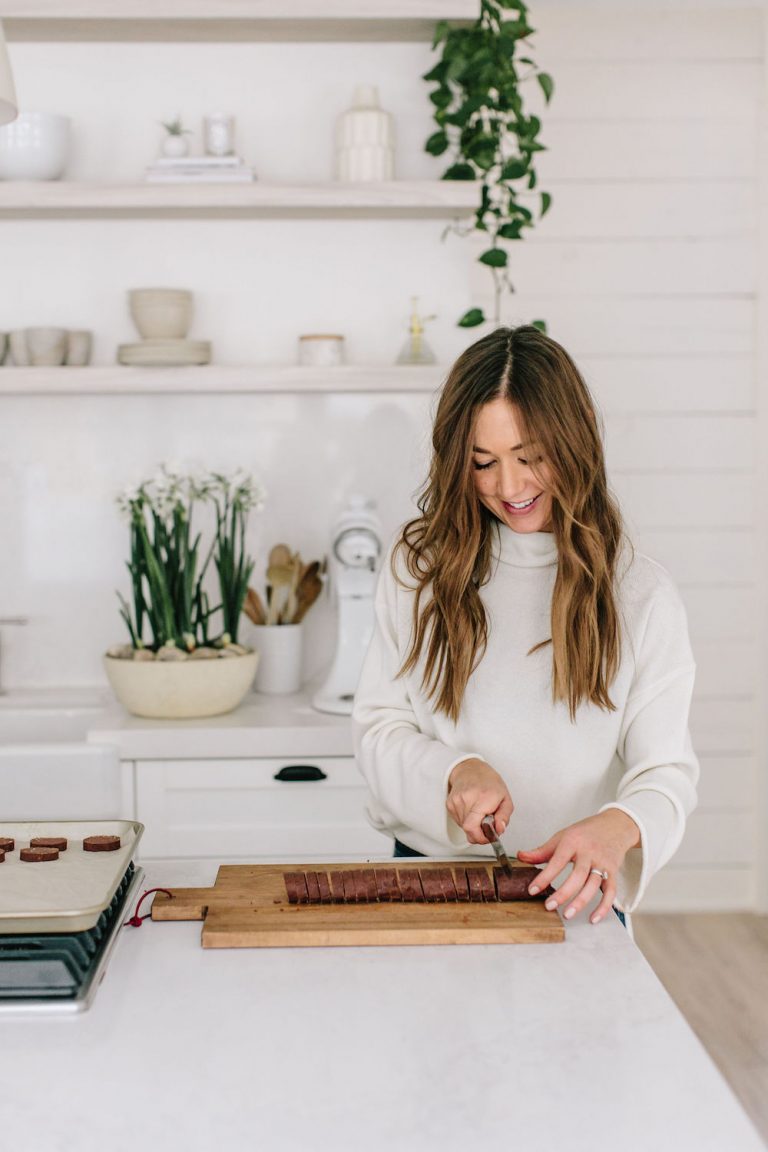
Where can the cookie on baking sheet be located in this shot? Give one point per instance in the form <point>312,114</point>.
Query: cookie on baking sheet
<point>38,855</point>
<point>101,843</point>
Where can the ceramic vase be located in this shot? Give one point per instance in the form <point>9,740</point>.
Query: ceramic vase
<point>365,139</point>
<point>174,145</point>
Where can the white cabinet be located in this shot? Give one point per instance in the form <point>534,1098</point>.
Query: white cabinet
<point>250,808</point>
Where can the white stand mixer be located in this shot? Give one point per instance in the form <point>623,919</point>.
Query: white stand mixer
<point>355,555</point>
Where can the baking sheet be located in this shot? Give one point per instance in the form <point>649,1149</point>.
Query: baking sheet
<point>68,894</point>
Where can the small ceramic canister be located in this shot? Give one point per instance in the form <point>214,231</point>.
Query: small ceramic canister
<point>46,347</point>
<point>320,350</point>
<point>17,344</point>
<point>79,344</point>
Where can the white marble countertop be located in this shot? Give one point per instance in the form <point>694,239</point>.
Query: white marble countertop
<point>571,1047</point>
<point>260,726</point>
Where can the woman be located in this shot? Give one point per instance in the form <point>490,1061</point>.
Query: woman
<point>526,661</point>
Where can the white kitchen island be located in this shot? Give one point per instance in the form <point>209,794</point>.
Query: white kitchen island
<point>571,1047</point>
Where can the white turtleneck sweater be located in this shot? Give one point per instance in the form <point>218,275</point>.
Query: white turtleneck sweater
<point>638,758</point>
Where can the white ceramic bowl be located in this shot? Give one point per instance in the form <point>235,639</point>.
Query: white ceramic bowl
<point>170,690</point>
<point>161,313</point>
<point>34,146</point>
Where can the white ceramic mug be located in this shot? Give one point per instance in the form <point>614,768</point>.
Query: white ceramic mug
<point>279,647</point>
<point>46,347</point>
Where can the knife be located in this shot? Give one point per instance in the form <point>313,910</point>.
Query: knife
<point>489,829</point>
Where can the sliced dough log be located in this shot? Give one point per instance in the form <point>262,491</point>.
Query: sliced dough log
<point>410,886</point>
<point>433,892</point>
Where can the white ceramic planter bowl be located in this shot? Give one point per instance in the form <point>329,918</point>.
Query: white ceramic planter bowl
<point>181,690</point>
<point>34,146</point>
<point>161,314</point>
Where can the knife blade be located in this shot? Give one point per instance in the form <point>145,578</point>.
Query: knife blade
<point>489,831</point>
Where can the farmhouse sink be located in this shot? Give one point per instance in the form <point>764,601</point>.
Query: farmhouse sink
<point>47,769</point>
<point>45,716</point>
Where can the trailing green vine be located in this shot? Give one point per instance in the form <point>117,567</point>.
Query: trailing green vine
<point>482,122</point>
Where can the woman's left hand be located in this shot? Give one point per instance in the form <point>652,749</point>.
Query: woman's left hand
<point>600,841</point>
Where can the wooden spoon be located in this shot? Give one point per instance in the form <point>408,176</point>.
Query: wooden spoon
<point>280,577</point>
<point>291,603</point>
<point>280,554</point>
<point>254,607</point>
<point>309,590</point>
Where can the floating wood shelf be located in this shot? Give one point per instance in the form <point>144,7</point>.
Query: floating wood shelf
<point>231,19</point>
<point>439,199</point>
<point>116,380</point>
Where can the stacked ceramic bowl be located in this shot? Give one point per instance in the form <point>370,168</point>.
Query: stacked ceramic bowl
<point>34,146</point>
<point>163,317</point>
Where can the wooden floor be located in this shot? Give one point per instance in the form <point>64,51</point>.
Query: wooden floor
<point>715,968</point>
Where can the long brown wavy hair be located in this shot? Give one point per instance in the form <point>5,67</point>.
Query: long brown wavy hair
<point>448,548</point>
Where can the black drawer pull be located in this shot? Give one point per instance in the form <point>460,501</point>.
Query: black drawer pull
<point>300,772</point>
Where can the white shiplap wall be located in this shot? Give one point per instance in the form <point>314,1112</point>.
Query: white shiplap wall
<point>646,269</point>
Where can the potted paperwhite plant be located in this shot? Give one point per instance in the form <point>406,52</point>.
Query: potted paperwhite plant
<point>183,658</point>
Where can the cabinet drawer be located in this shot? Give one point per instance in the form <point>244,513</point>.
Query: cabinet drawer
<point>296,807</point>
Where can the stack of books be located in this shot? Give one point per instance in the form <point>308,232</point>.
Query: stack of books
<point>199,170</point>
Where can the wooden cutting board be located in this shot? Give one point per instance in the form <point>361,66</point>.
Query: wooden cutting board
<point>248,908</point>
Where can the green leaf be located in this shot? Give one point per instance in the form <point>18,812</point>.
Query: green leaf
<point>532,179</point>
<point>514,169</point>
<point>463,114</point>
<point>546,201</point>
<point>441,97</point>
<point>519,5</point>
<point>442,29</point>
<point>510,231</point>
<point>494,258</point>
<point>518,210</point>
<point>437,73</point>
<point>547,85</point>
<point>516,30</point>
<point>455,66</point>
<point>540,324</point>
<point>437,144</point>
<point>459,172</point>
<point>472,318</point>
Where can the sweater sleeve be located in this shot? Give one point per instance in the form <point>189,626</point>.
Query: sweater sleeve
<point>658,786</point>
<point>406,769</point>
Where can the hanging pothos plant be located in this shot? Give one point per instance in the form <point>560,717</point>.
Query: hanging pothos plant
<point>482,123</point>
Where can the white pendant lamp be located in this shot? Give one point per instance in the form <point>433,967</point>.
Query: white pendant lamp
<point>8,106</point>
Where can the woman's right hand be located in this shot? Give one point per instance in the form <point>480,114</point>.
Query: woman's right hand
<point>476,790</point>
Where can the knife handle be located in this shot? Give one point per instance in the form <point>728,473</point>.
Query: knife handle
<point>488,826</point>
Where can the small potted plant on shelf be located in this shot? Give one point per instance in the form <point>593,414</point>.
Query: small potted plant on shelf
<point>184,658</point>
<point>175,142</point>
